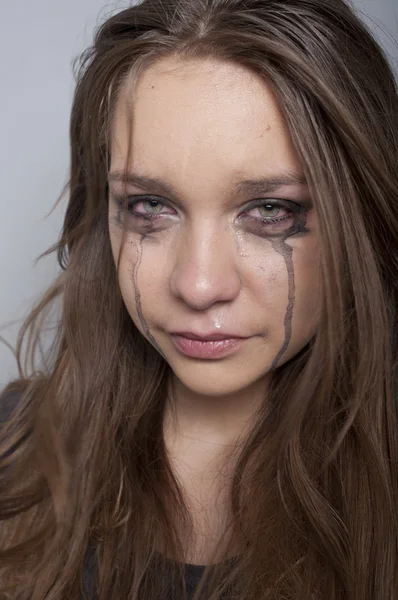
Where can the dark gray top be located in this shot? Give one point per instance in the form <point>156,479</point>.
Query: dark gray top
<point>193,573</point>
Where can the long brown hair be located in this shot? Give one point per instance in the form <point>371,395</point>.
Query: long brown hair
<point>83,464</point>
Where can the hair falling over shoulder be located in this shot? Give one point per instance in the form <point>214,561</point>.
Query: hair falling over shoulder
<point>83,466</point>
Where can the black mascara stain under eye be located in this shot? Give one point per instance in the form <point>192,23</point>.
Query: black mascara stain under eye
<point>286,251</point>
<point>266,227</point>
<point>138,303</point>
<point>142,223</point>
<point>277,230</point>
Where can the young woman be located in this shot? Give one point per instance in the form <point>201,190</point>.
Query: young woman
<point>218,415</point>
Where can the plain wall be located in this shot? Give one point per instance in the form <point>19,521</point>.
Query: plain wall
<point>38,41</point>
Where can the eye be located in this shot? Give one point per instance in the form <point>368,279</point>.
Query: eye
<point>144,206</point>
<point>150,205</point>
<point>269,211</point>
<point>271,217</point>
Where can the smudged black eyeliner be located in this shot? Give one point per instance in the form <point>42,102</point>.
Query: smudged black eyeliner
<point>257,225</point>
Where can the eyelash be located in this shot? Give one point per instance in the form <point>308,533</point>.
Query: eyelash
<point>151,217</point>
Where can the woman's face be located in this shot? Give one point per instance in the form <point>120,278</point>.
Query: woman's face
<point>215,246</point>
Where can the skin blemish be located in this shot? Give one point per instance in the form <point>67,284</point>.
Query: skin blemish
<point>268,128</point>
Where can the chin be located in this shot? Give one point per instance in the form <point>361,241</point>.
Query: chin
<point>215,380</point>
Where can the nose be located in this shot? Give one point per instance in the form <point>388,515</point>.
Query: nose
<point>205,269</point>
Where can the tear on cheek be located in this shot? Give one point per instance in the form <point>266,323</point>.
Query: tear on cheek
<point>138,302</point>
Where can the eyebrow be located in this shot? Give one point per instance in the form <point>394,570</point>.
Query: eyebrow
<point>263,185</point>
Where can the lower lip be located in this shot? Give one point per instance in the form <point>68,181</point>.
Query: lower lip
<point>206,349</point>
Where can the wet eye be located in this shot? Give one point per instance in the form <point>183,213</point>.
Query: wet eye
<point>152,206</point>
<point>271,212</point>
<point>271,218</point>
<point>268,210</point>
<point>143,211</point>
<point>149,206</point>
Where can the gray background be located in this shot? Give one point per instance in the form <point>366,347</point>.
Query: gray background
<point>38,41</point>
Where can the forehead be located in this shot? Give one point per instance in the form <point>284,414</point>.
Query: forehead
<point>206,122</point>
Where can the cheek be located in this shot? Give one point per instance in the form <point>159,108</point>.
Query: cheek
<point>306,265</point>
<point>141,275</point>
<point>284,287</point>
<point>125,256</point>
<point>309,288</point>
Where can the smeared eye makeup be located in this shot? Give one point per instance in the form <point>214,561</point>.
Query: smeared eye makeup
<point>265,217</point>
<point>144,207</point>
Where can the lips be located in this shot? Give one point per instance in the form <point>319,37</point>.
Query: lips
<point>207,337</point>
<point>206,346</point>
